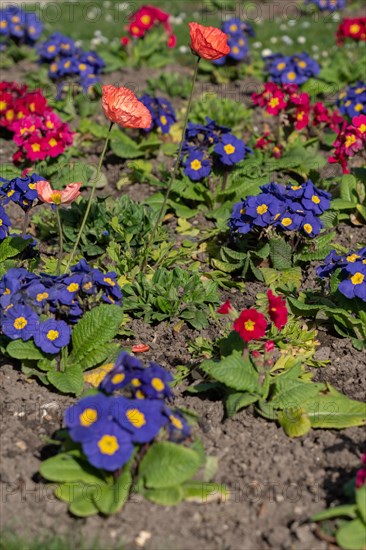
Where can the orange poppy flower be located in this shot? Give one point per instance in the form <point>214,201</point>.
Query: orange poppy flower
<point>121,106</point>
<point>54,196</point>
<point>208,42</point>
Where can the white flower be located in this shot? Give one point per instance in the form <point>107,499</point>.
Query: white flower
<point>314,47</point>
<point>287,40</point>
<point>283,27</point>
<point>325,54</point>
<point>266,52</point>
<point>257,44</point>
<point>109,17</point>
<point>273,40</point>
<point>305,24</point>
<point>301,39</point>
<point>183,49</point>
<point>291,22</point>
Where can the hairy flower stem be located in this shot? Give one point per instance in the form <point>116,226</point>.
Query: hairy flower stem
<point>25,223</point>
<point>173,173</point>
<point>90,199</point>
<point>61,240</point>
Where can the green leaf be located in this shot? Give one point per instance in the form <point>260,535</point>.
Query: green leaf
<point>169,496</point>
<point>292,276</point>
<point>83,506</point>
<point>348,510</point>
<point>12,246</point>
<point>126,148</point>
<point>352,535</point>
<point>348,188</point>
<point>68,381</point>
<point>24,350</point>
<point>280,254</point>
<point>168,464</point>
<point>233,371</point>
<point>293,392</point>
<point>97,327</point>
<point>361,502</point>
<point>294,421</point>
<point>67,468</point>
<point>335,411</point>
<point>111,498</point>
<point>236,401</point>
<point>203,493</point>
<point>341,204</point>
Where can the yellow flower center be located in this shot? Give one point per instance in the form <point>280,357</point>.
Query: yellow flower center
<point>281,66</point>
<point>358,107</point>
<point>3,24</point>
<point>262,209</point>
<point>109,281</point>
<point>235,49</point>
<point>41,296</point>
<point>50,125</point>
<point>136,417</point>
<point>87,286</point>
<point>176,422</point>
<point>82,66</point>
<point>286,222</point>
<point>157,384</point>
<point>88,417</point>
<point>233,28</point>
<point>350,140</point>
<point>291,75</point>
<point>145,19</point>
<point>308,228</point>
<point>51,48</point>
<point>3,105</point>
<point>56,197</point>
<point>118,378</point>
<point>52,335</point>
<point>9,115</point>
<point>163,119</point>
<point>52,142</point>
<point>108,445</point>
<point>139,395</point>
<point>352,258</point>
<point>274,102</point>
<point>36,147</point>
<point>135,382</point>
<point>354,29</point>
<point>73,287</point>
<point>229,149</point>
<point>7,290</point>
<point>249,325</point>
<point>315,199</point>
<point>302,64</point>
<point>20,323</point>
<point>357,278</point>
<point>196,164</point>
<point>362,128</point>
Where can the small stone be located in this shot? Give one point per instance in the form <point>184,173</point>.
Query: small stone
<point>21,445</point>
<point>142,538</point>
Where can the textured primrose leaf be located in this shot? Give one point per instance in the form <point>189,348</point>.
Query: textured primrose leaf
<point>280,254</point>
<point>234,372</point>
<point>292,393</point>
<point>83,506</point>
<point>335,411</point>
<point>12,246</point>
<point>203,493</point>
<point>65,468</point>
<point>352,535</point>
<point>97,327</point>
<point>294,421</point>
<point>24,350</point>
<point>347,510</point>
<point>168,464</point>
<point>236,401</point>
<point>68,381</point>
<point>169,496</point>
<point>126,148</point>
<point>361,502</point>
<point>110,498</point>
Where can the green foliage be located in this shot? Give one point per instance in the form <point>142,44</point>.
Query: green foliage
<point>352,199</point>
<point>349,528</point>
<point>171,84</point>
<point>169,294</point>
<point>225,112</point>
<point>90,346</point>
<point>10,247</point>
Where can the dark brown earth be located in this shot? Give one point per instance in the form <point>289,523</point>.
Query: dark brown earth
<point>276,483</point>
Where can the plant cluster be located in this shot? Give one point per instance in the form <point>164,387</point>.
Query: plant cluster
<point>43,306</point>
<point>291,69</point>
<point>209,144</point>
<point>19,26</point>
<point>146,18</point>
<point>328,5</point>
<point>124,442</point>
<point>352,101</point>
<point>237,32</point>
<point>37,130</point>
<point>354,28</point>
<point>350,141</point>
<point>162,113</point>
<point>290,208</point>
<point>347,273</point>
<point>68,62</point>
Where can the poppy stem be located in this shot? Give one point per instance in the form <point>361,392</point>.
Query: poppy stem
<point>25,223</point>
<point>90,199</point>
<point>173,173</point>
<point>61,240</point>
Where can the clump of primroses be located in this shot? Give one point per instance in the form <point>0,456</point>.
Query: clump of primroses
<point>208,145</point>
<point>44,306</point>
<point>327,5</point>
<point>19,26</point>
<point>286,208</point>
<point>146,18</point>
<point>162,113</point>
<point>237,32</point>
<point>354,28</point>
<point>129,411</point>
<point>253,325</point>
<point>37,130</point>
<point>294,111</point>
<point>352,101</point>
<point>68,62</point>
<point>291,69</point>
<point>349,270</point>
<point>351,140</point>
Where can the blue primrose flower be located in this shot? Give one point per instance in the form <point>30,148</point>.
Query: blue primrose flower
<point>331,262</point>
<point>352,101</point>
<point>231,150</point>
<point>155,382</point>
<point>314,199</point>
<point>20,322</point>
<point>263,208</point>
<point>142,418</point>
<point>4,224</point>
<point>178,427</point>
<point>311,225</point>
<point>88,416</point>
<point>110,449</point>
<point>196,167</point>
<point>239,222</point>
<point>126,368</point>
<point>354,285</point>
<point>52,335</point>
<point>162,112</point>
<point>328,5</point>
<point>21,191</point>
